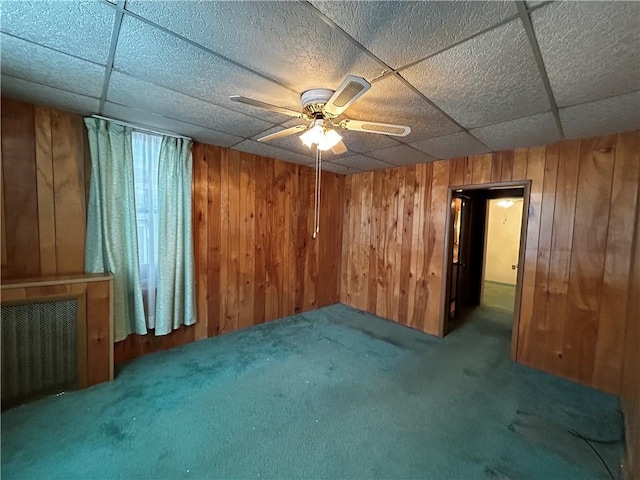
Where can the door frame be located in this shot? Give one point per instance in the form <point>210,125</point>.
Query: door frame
<point>444,305</point>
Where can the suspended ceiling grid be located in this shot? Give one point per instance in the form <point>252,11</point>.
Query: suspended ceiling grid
<point>468,77</point>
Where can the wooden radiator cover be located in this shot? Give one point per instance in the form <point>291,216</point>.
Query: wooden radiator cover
<point>94,295</point>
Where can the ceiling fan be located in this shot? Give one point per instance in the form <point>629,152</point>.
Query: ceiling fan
<point>321,112</point>
<point>321,109</point>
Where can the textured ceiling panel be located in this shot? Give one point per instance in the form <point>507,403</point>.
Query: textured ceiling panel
<point>32,62</point>
<point>125,90</point>
<point>611,115</point>
<point>525,132</point>
<point>149,53</point>
<point>391,100</point>
<point>362,162</point>
<point>43,95</point>
<point>591,50</point>
<point>285,40</point>
<point>402,155</point>
<point>488,79</point>
<point>151,120</point>
<point>266,150</point>
<point>403,32</point>
<point>80,28</point>
<point>451,146</point>
<point>341,169</point>
<point>362,142</point>
<point>490,83</point>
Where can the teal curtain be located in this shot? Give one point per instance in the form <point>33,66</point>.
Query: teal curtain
<point>175,300</point>
<point>111,243</point>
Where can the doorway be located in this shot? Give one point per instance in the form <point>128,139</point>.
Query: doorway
<point>501,252</point>
<point>486,232</point>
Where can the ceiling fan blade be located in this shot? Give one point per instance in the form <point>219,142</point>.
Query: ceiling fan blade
<point>268,106</point>
<point>283,133</point>
<point>339,148</point>
<point>348,92</point>
<point>374,127</point>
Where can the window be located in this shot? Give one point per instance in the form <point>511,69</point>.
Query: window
<point>146,155</point>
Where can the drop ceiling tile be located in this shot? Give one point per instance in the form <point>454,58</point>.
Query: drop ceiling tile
<point>362,162</point>
<point>451,146</point>
<point>341,169</point>
<point>154,121</point>
<point>158,57</point>
<point>34,63</point>
<point>270,151</point>
<point>132,92</point>
<point>287,41</point>
<point>363,142</point>
<point>491,78</point>
<point>391,100</point>
<point>212,137</point>
<point>611,115</point>
<point>35,93</point>
<point>403,32</point>
<point>591,50</point>
<point>329,156</point>
<point>79,28</point>
<point>525,132</point>
<point>402,155</point>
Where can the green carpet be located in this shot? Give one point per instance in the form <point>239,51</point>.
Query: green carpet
<point>333,393</point>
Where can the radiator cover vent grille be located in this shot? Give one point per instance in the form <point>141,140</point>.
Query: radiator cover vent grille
<point>39,349</point>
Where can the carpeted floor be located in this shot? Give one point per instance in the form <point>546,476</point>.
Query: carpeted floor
<point>334,393</point>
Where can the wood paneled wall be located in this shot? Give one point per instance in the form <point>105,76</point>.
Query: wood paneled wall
<point>253,216</point>
<point>576,269</point>
<point>255,258</point>
<point>631,371</point>
<point>45,175</point>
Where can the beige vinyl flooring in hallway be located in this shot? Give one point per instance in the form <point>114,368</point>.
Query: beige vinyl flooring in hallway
<point>498,295</point>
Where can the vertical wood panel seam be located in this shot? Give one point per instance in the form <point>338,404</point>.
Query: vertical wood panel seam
<point>53,186</point>
<point>35,153</point>
<point>4,230</point>
<point>604,257</point>
<point>553,212</point>
<point>37,223</point>
<point>573,240</point>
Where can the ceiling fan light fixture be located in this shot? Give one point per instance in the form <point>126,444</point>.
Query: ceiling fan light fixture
<point>314,135</point>
<point>325,139</point>
<point>321,108</point>
<point>330,140</point>
<point>505,203</point>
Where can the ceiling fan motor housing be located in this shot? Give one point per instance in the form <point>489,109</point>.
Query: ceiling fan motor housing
<point>314,100</point>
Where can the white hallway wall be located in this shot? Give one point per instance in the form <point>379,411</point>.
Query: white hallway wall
<point>503,242</point>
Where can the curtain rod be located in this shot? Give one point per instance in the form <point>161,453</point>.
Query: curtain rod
<point>138,127</point>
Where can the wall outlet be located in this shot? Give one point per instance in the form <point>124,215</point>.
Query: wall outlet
<point>513,267</point>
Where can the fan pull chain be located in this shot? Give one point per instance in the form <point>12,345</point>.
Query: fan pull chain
<point>319,178</point>
<point>316,213</point>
